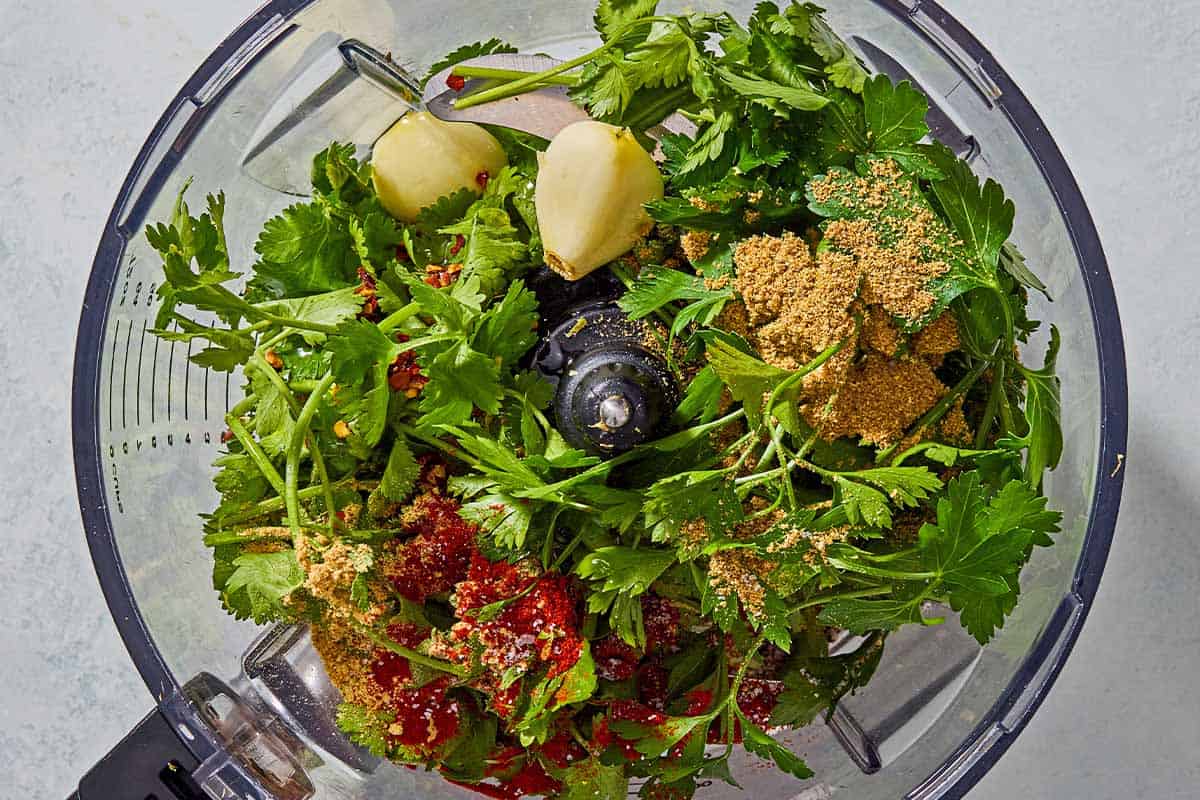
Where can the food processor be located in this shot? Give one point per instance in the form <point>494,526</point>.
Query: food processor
<point>247,712</point>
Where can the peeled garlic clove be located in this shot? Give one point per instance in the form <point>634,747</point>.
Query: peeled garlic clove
<point>422,158</point>
<point>592,182</point>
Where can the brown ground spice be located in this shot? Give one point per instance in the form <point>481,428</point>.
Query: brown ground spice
<point>863,287</point>
<point>879,399</point>
<point>347,657</point>
<point>796,304</point>
<point>695,244</point>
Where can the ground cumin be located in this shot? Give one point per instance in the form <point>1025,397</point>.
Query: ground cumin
<point>864,286</point>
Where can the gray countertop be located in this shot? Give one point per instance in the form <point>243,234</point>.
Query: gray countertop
<point>83,82</point>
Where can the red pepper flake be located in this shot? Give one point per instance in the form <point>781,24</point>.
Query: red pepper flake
<point>367,289</point>
<point>460,242</point>
<point>439,277</point>
<point>404,375</point>
<point>227,436</point>
<point>481,180</point>
<point>438,557</point>
<point>456,82</point>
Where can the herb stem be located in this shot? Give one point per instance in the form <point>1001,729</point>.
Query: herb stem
<point>993,403</point>
<point>829,598</point>
<point>433,441</point>
<point>938,411</point>
<point>252,448</point>
<point>467,71</point>
<point>410,654</point>
<point>314,452</point>
<point>531,80</point>
<point>294,450</point>
<point>399,317</point>
<point>274,504</point>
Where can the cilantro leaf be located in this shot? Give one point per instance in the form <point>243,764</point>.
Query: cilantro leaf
<point>259,582</point>
<point>460,379</point>
<point>613,16</point>
<point>365,728</point>
<point>797,97</point>
<point>503,517</point>
<point>401,473</point>
<point>422,240</point>
<point>303,252</point>
<point>375,238</point>
<point>507,329</point>
<point>842,66</point>
<point>358,346</point>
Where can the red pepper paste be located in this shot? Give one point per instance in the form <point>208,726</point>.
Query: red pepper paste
<point>661,620</point>
<point>615,659</point>
<point>540,625</point>
<point>438,557</point>
<point>426,716</point>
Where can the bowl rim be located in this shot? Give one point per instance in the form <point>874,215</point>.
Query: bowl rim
<point>995,732</point>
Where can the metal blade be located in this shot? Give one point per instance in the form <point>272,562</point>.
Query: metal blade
<point>543,112</point>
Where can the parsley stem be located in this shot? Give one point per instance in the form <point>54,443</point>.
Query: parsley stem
<point>821,600</point>
<point>255,452</point>
<point>570,548</point>
<point>777,438</point>
<point>398,317</point>
<point>468,71</point>
<point>993,404</point>
<point>410,654</point>
<point>294,450</point>
<point>548,544</point>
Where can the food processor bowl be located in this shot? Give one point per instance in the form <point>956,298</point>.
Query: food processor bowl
<point>247,712</point>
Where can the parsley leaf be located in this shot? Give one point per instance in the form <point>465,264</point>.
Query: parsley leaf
<point>760,744</point>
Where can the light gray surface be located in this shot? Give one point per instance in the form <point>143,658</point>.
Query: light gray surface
<point>81,83</point>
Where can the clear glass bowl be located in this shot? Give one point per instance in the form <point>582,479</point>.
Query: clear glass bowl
<point>147,423</point>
